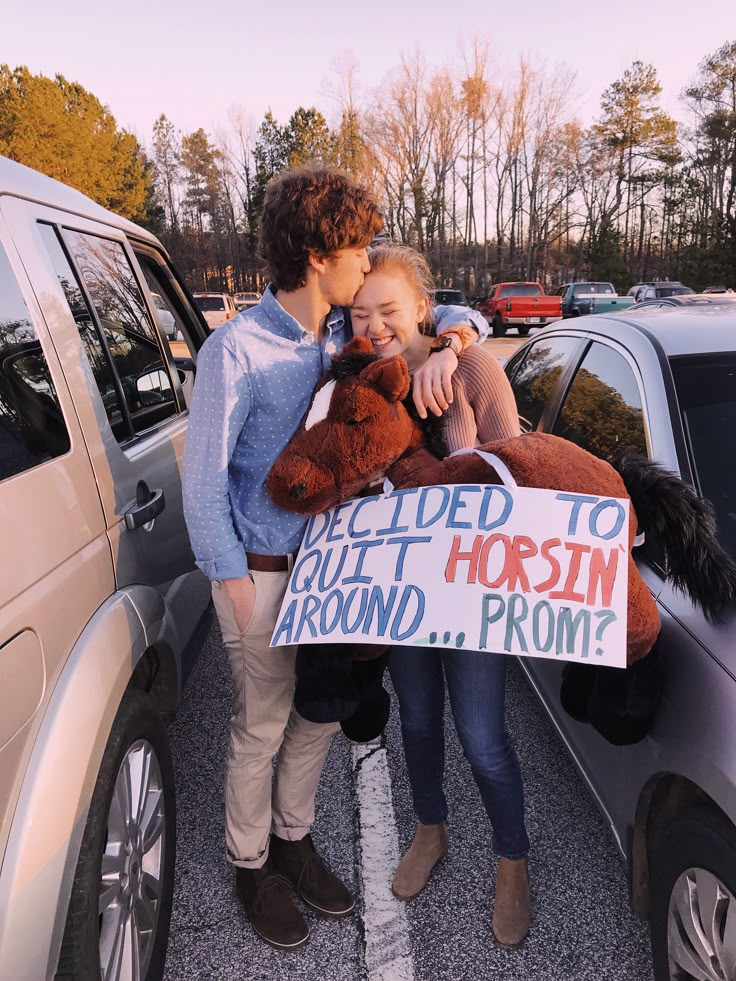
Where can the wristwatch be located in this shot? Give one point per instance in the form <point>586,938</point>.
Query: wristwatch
<point>441,344</point>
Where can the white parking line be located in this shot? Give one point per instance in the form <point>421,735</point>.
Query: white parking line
<point>388,954</point>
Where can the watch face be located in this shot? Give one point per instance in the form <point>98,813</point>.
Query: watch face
<point>441,344</point>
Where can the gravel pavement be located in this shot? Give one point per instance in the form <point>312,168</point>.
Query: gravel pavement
<point>582,926</point>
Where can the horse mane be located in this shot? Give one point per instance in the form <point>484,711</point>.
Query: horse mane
<point>432,429</point>
<point>350,363</point>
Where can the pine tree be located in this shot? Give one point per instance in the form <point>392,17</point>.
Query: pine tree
<point>61,129</point>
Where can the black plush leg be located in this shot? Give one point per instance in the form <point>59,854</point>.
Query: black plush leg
<point>575,689</point>
<point>370,718</point>
<point>623,704</point>
<point>325,690</point>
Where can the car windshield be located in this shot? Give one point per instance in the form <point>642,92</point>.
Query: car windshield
<point>673,290</point>
<point>521,289</point>
<point>706,391</point>
<point>450,296</point>
<point>209,303</point>
<point>583,289</point>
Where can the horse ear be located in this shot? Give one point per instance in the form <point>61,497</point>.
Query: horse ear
<point>358,345</point>
<point>390,375</point>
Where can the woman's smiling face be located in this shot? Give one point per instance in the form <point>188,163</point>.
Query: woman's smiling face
<point>387,310</point>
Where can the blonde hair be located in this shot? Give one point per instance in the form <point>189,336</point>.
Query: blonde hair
<point>412,266</point>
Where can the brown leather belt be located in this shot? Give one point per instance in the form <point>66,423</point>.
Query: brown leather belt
<point>267,563</point>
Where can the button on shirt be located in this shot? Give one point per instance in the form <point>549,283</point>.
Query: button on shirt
<point>255,379</point>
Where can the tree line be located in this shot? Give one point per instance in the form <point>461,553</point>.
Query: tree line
<point>493,178</point>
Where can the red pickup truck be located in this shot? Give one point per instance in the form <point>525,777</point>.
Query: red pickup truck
<point>521,305</point>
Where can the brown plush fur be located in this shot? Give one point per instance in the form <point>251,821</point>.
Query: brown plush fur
<point>368,432</point>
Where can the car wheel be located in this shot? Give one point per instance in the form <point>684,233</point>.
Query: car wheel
<point>118,921</point>
<point>693,915</point>
<point>499,328</point>
<point>524,330</point>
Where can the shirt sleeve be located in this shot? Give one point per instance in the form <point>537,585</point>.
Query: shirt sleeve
<point>220,405</point>
<point>484,407</point>
<point>444,316</point>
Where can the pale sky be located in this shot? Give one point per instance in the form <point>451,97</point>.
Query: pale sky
<point>194,60</point>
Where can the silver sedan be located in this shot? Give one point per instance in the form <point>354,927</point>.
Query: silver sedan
<point>661,382</point>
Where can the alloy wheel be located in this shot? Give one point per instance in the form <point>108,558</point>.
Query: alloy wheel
<point>701,928</point>
<point>131,880</point>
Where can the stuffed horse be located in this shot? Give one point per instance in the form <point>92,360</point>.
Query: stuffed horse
<point>361,429</point>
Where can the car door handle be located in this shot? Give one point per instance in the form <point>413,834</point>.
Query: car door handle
<point>148,504</point>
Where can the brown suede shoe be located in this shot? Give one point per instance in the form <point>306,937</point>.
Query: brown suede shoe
<point>300,865</point>
<point>510,922</point>
<point>270,907</point>
<point>427,849</point>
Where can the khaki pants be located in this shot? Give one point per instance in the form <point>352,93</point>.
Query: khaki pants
<point>264,723</point>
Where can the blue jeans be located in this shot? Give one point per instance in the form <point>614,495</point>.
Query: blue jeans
<point>476,684</point>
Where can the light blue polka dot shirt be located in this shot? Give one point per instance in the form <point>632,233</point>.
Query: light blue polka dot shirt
<point>255,379</point>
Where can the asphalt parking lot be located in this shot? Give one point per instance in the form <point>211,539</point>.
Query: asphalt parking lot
<point>582,927</point>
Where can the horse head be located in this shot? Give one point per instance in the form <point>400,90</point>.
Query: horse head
<point>356,427</point>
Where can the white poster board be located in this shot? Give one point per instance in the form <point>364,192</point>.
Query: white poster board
<point>534,572</point>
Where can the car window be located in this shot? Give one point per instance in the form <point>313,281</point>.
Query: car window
<point>536,378</point>
<point>168,313</point>
<point>128,333</point>
<point>602,410</point>
<point>32,426</point>
<point>97,356</point>
<point>521,289</point>
<point>210,304</point>
<point>583,289</point>
<point>706,394</point>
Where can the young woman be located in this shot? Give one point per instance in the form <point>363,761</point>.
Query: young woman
<point>391,310</point>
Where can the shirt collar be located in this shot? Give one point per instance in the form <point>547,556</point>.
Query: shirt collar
<point>286,325</point>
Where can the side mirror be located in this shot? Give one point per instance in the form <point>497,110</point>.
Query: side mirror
<point>154,387</point>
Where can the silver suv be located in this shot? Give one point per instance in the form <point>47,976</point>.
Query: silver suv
<point>99,597</point>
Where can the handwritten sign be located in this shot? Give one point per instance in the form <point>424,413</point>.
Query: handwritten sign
<point>525,571</point>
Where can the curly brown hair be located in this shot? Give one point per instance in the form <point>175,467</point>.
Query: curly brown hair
<point>313,211</point>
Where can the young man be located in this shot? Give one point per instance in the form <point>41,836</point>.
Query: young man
<point>255,379</point>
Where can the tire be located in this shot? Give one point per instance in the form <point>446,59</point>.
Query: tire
<point>139,866</point>
<point>524,330</point>
<point>499,327</point>
<point>700,840</point>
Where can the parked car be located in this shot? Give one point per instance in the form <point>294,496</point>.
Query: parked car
<point>520,305</point>
<point>660,384</point>
<point>702,300</point>
<point>99,598</point>
<point>718,289</point>
<point>216,308</point>
<point>656,291</point>
<point>579,299</point>
<point>245,300</point>
<point>450,297</point>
